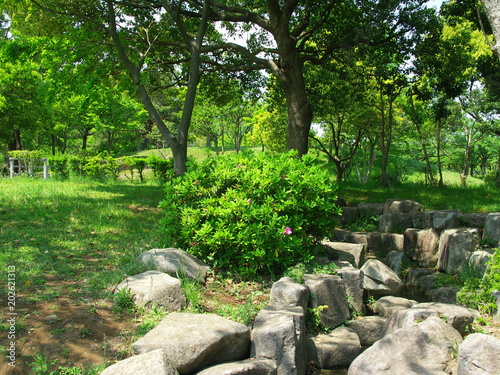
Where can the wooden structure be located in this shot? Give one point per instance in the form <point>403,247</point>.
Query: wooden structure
<point>16,168</point>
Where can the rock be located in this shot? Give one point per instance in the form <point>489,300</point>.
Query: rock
<point>196,341</point>
<point>402,206</point>
<point>473,220</point>
<point>380,279</point>
<point>279,334</point>
<point>353,281</point>
<point>154,362</point>
<point>423,219</point>
<point>391,242</point>
<point>461,318</point>
<point>492,227</point>
<point>288,292</point>
<point>445,219</point>
<point>478,354</point>
<point>349,214</point>
<point>478,261</point>
<point>339,235</point>
<point>395,261</point>
<point>245,367</point>
<point>328,290</point>
<point>422,246</point>
<point>496,294</point>
<point>360,238</point>
<point>415,276</point>
<point>352,253</point>
<point>444,294</point>
<point>370,209</point>
<point>337,349</point>
<point>368,328</point>
<point>406,317</point>
<point>395,222</point>
<point>386,306</point>
<point>424,348</point>
<point>455,248</point>
<point>176,263</point>
<point>155,287</point>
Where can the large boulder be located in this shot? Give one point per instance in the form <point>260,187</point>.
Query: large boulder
<point>245,367</point>
<point>455,248</point>
<point>417,349</point>
<point>279,333</point>
<point>371,209</point>
<point>368,328</point>
<point>196,341</point>
<point>155,362</point>
<point>402,206</point>
<point>176,263</point>
<point>328,290</point>
<point>422,246</point>
<point>395,222</point>
<point>473,220</point>
<point>155,287</point>
<point>395,261</point>
<point>445,219</point>
<point>350,252</point>
<point>287,292</point>
<point>388,305</point>
<point>348,215</point>
<point>336,349</point>
<point>478,261</point>
<point>492,227</point>
<point>353,281</point>
<point>479,354</point>
<point>380,279</point>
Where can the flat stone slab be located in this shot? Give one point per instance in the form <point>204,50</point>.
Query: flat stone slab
<point>287,292</point>
<point>388,305</point>
<point>155,287</point>
<point>196,341</point>
<point>380,278</point>
<point>368,328</point>
<point>479,355</point>
<point>246,367</point>
<point>155,362</point>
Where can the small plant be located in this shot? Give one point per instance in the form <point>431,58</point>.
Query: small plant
<point>84,332</point>
<point>192,291</point>
<point>123,302</point>
<point>363,224</point>
<point>41,364</point>
<point>150,319</point>
<point>313,322</point>
<point>70,371</point>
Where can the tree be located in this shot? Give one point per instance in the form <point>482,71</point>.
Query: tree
<point>492,10</point>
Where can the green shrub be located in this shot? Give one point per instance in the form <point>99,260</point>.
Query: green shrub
<point>251,213</point>
<point>101,166</point>
<point>162,168</point>
<point>59,166</point>
<point>134,163</point>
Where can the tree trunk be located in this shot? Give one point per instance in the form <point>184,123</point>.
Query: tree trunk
<point>438,151</point>
<point>16,141</point>
<point>492,9</point>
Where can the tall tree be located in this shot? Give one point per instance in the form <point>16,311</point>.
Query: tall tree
<point>492,9</point>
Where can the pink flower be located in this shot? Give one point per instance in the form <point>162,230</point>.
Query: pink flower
<point>288,230</point>
<point>249,201</point>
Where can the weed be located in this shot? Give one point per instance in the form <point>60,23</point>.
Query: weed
<point>41,364</point>
<point>123,302</point>
<point>84,332</point>
<point>313,321</point>
<point>192,291</point>
<point>150,319</point>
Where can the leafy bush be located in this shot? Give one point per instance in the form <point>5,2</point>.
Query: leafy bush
<point>101,166</point>
<point>161,167</point>
<point>138,164</point>
<point>251,213</point>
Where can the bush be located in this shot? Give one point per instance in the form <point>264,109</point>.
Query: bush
<point>251,213</point>
<point>101,166</point>
<point>162,168</point>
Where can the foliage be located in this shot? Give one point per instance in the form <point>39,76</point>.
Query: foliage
<point>101,166</point>
<point>123,302</point>
<point>41,364</point>
<point>476,292</point>
<point>313,321</point>
<point>298,270</point>
<point>163,169</point>
<point>250,213</point>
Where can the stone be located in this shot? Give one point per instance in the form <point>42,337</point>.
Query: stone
<point>353,281</point>
<point>370,209</point>
<point>455,248</point>
<point>245,367</point>
<point>473,220</point>
<point>478,261</point>
<point>461,318</point>
<point>352,253</point>
<point>406,317</point>
<point>479,354</point>
<point>155,287</point>
<point>380,279</point>
<point>395,261</point>
<point>395,222</point>
<point>287,292</point>
<point>336,349</point>
<point>368,328</point>
<point>176,263</point>
<point>356,238</point>
<point>279,333</point>
<point>196,341</point>
<point>415,276</point>
<point>328,290</point>
<point>402,206</point>
<point>388,305</point>
<point>496,294</point>
<point>417,349</point>
<point>349,214</point>
<point>445,219</point>
<point>154,362</point>
<point>391,242</point>
<point>492,227</point>
<point>422,246</point>
<point>444,294</point>
<point>423,219</point>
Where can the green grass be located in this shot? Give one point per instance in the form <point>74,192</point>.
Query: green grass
<point>76,230</point>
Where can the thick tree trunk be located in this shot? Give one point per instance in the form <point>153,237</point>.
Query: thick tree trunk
<point>492,9</point>
<point>16,141</point>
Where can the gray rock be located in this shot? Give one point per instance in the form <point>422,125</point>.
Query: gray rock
<point>423,219</point>
<point>461,318</point>
<point>176,263</point>
<point>328,290</point>
<point>402,206</point>
<point>349,214</point>
<point>492,227</point>
<point>418,349</point>
<point>371,209</point>
<point>496,294</point>
<point>360,238</point>
<point>445,219</point>
<point>368,328</point>
<point>444,294</point>
<point>391,242</point>
<point>406,317</point>
<point>388,305</point>
<point>415,276</point>
<point>337,349</point>
<point>279,334</point>
<point>155,362</point>
<point>353,281</point>
<point>196,341</point>
<point>395,260</point>
<point>422,246</point>
<point>155,287</point>
<point>479,354</point>
<point>478,261</point>
<point>245,367</point>
<point>288,292</point>
<point>455,248</point>
<point>473,220</point>
<point>352,253</point>
<point>380,279</point>
<point>395,222</point>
